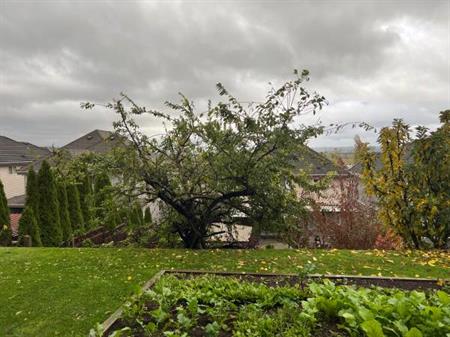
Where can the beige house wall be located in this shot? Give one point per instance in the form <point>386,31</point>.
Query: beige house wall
<point>13,183</point>
<point>330,196</point>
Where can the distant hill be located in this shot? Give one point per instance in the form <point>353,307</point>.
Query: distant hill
<point>346,153</point>
<point>340,149</point>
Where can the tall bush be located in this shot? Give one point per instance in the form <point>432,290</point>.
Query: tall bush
<point>147,216</point>
<point>66,226</point>
<point>50,226</point>
<point>5,227</point>
<point>135,216</point>
<point>85,192</point>
<point>102,197</point>
<point>75,213</point>
<point>32,192</point>
<point>28,226</point>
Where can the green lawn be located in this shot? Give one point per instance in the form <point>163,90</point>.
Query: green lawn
<point>64,292</point>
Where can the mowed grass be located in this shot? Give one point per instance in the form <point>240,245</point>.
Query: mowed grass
<point>64,292</point>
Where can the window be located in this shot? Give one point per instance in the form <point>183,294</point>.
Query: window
<point>12,169</point>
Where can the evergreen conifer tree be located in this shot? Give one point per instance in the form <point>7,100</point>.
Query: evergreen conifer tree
<point>66,226</point>
<point>85,192</point>
<point>147,216</point>
<point>102,196</point>
<point>28,226</point>
<point>5,228</point>
<point>51,233</point>
<point>32,193</point>
<point>135,216</point>
<point>75,213</point>
<point>140,214</point>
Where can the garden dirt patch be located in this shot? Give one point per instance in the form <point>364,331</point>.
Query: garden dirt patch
<point>273,279</point>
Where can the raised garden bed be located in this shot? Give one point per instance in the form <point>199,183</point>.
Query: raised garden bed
<point>185,303</point>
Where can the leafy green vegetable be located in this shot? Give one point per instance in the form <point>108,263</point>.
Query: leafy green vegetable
<point>210,305</point>
<point>372,328</point>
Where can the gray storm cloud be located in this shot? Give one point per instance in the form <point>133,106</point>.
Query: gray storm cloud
<point>374,61</point>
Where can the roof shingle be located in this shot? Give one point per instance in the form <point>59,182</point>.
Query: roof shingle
<point>14,152</point>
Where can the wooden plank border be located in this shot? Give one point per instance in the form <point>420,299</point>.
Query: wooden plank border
<point>106,325</point>
<point>309,276</point>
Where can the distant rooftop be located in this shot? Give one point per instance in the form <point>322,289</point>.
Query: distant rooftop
<point>14,152</point>
<point>315,163</point>
<point>99,141</point>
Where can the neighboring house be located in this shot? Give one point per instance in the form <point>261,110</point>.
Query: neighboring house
<point>16,204</point>
<point>13,156</point>
<point>16,158</point>
<point>317,166</point>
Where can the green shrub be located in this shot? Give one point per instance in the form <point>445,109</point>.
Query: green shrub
<point>147,216</point>
<point>135,216</point>
<point>66,226</point>
<point>102,192</point>
<point>5,228</point>
<point>32,192</point>
<point>74,207</point>
<point>85,194</point>
<point>49,221</point>
<point>28,226</point>
<point>87,243</point>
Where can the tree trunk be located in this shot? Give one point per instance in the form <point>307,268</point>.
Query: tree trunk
<point>415,240</point>
<point>193,239</point>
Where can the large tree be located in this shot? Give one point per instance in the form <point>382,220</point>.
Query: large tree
<point>5,228</point>
<point>49,221</point>
<point>216,168</point>
<point>411,181</point>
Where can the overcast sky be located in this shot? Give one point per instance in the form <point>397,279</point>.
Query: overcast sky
<point>373,60</point>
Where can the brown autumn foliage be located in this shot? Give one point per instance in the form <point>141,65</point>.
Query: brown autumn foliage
<point>389,241</point>
<point>342,217</point>
<point>350,223</point>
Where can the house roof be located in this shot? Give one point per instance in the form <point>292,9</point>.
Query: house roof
<point>14,152</point>
<point>315,163</point>
<point>99,141</point>
<point>17,201</point>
